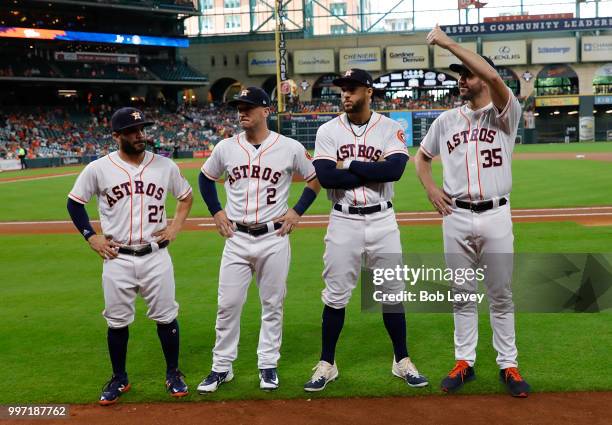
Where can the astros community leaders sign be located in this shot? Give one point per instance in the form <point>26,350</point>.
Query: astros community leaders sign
<point>528,26</point>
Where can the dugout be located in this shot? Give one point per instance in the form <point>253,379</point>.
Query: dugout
<point>602,112</point>
<point>510,78</point>
<point>323,89</point>
<point>224,89</point>
<point>557,104</point>
<point>602,108</point>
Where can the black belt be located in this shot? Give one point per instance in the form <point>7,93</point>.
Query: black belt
<point>479,206</point>
<point>363,210</point>
<point>142,251</point>
<point>257,230</point>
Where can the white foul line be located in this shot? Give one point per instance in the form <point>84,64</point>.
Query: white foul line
<point>516,214</point>
<point>29,179</point>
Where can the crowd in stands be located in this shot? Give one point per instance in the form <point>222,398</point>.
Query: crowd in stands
<point>78,131</point>
<point>151,70</point>
<point>57,132</point>
<point>378,103</point>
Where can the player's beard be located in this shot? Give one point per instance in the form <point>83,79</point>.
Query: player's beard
<point>467,95</point>
<point>131,148</point>
<point>356,107</point>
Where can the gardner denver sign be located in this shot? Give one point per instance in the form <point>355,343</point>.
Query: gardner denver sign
<point>407,57</point>
<point>528,26</point>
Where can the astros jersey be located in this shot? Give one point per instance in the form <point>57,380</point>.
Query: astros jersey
<point>257,180</point>
<point>336,142</point>
<point>476,149</point>
<point>131,200</point>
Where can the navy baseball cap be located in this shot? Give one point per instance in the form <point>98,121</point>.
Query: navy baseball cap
<point>128,117</point>
<point>251,96</point>
<point>354,77</point>
<point>460,68</point>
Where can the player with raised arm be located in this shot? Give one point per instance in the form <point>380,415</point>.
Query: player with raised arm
<point>475,144</point>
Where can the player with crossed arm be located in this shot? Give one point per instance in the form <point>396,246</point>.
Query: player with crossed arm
<point>258,165</point>
<point>358,156</point>
<point>475,144</point>
<point>131,185</point>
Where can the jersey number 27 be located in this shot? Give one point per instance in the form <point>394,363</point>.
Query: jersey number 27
<point>156,213</point>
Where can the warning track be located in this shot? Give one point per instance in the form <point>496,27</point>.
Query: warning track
<point>588,216</point>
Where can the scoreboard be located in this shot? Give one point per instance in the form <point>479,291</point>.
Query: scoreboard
<point>421,121</point>
<point>303,126</point>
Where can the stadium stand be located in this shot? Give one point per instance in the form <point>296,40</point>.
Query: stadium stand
<point>59,132</point>
<point>174,71</point>
<point>84,129</point>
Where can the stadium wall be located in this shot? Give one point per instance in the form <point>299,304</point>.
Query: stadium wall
<point>200,55</point>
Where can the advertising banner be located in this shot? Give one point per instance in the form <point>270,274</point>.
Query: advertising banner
<point>443,58</point>
<point>596,49</point>
<point>506,52</point>
<point>262,63</point>
<point>404,118</point>
<point>314,61</point>
<point>553,50</point>
<point>407,57</point>
<point>367,58</point>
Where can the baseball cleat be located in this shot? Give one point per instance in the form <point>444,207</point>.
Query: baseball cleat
<point>175,384</point>
<point>461,373</point>
<point>324,373</point>
<point>268,379</point>
<point>113,389</point>
<point>515,383</point>
<point>407,371</point>
<point>214,381</point>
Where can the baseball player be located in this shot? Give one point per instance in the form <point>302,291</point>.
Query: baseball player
<point>358,156</point>
<point>475,144</point>
<point>258,165</point>
<point>131,186</point>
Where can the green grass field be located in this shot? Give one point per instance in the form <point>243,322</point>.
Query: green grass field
<point>537,184</point>
<point>54,337</point>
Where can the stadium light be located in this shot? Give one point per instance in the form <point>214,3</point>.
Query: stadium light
<point>572,112</point>
<point>556,113</point>
<point>609,111</point>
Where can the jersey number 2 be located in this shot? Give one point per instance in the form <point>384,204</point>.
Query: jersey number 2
<point>492,158</point>
<point>271,194</point>
<point>154,210</point>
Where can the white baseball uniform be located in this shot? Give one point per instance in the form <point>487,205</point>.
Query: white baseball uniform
<point>476,152</point>
<point>350,236</point>
<point>131,204</point>
<point>257,182</point>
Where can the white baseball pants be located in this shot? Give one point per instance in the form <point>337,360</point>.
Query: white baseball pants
<point>268,257</point>
<point>484,240</point>
<point>351,237</point>
<point>151,275</point>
